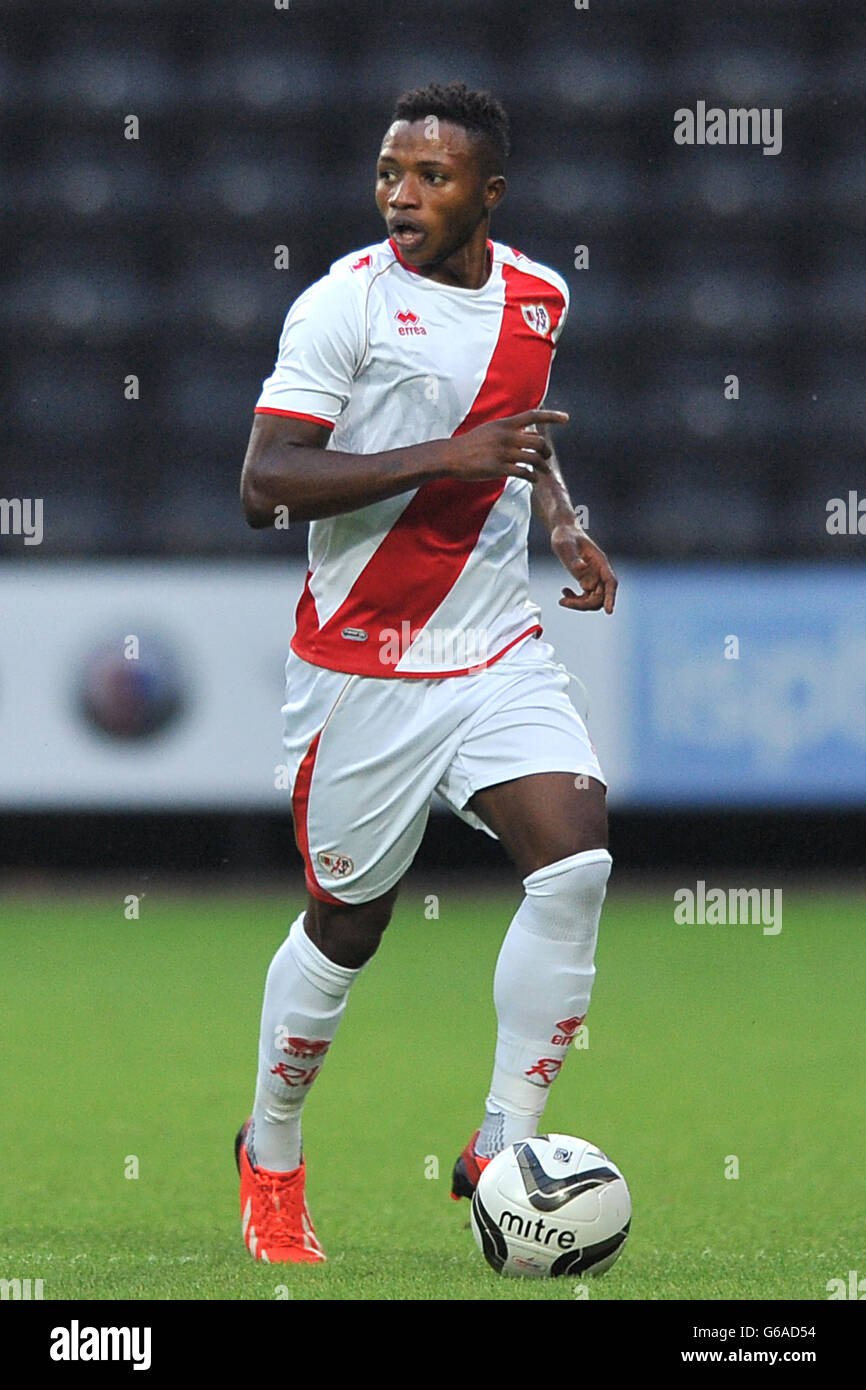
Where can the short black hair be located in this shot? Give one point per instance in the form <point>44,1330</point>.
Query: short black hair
<point>478,112</point>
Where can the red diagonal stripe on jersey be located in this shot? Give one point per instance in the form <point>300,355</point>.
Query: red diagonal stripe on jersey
<point>306,617</point>
<point>423,554</point>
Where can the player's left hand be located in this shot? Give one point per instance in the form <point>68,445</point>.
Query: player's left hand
<point>587,563</point>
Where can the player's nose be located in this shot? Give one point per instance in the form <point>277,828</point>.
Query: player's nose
<point>404,194</point>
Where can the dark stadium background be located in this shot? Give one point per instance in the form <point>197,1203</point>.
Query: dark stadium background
<point>260,126</point>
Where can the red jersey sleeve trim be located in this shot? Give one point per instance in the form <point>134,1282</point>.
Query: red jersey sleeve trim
<point>294,415</point>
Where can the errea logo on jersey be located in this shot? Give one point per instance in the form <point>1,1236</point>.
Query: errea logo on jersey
<point>409,323</point>
<point>537,318</point>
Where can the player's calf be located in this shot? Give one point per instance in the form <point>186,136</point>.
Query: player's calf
<point>542,988</point>
<point>306,993</point>
<point>305,999</point>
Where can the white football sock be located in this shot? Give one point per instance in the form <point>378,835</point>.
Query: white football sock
<point>305,997</point>
<point>542,989</point>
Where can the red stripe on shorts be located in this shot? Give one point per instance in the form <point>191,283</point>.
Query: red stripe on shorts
<point>300,806</point>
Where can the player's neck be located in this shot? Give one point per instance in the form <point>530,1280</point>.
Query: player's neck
<point>468,268</point>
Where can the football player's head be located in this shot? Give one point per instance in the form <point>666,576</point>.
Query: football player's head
<point>440,169</point>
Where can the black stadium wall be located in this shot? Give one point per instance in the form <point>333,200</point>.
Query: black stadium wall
<point>178,173</point>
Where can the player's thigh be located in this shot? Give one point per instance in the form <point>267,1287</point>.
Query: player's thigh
<point>526,769</point>
<point>544,817</point>
<point>364,756</point>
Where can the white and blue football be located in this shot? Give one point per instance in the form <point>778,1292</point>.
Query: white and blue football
<point>549,1206</point>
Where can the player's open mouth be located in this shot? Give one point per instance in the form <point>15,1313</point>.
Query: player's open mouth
<point>407,235</point>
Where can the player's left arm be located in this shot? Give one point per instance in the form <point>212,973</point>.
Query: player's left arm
<point>585,561</point>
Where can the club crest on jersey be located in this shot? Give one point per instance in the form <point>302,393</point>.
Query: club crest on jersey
<point>537,318</point>
<point>409,323</point>
<point>337,865</point>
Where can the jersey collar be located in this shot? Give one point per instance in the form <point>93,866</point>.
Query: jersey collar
<point>415,271</point>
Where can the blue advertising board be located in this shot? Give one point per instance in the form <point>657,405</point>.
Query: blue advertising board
<point>748,685</point>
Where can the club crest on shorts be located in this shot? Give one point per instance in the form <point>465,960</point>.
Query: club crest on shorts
<point>337,865</point>
<point>537,318</point>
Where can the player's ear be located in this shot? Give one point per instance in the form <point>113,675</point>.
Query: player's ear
<point>494,191</point>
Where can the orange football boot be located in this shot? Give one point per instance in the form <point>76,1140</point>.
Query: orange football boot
<point>275,1218</point>
<point>467,1170</point>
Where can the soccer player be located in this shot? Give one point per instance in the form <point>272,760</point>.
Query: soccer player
<point>404,420</point>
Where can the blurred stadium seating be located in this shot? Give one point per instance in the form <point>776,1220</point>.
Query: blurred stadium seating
<point>260,127</point>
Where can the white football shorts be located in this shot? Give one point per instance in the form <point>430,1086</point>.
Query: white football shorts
<point>365,755</point>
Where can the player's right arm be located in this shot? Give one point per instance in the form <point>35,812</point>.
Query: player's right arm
<point>323,347</point>
<point>286,465</point>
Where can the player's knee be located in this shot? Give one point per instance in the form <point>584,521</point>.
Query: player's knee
<point>348,934</point>
<point>579,837</point>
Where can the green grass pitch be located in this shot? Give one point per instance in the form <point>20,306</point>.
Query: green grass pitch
<point>137,1038</point>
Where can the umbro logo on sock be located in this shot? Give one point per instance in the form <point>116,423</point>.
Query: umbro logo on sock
<point>300,1047</point>
<point>566,1029</point>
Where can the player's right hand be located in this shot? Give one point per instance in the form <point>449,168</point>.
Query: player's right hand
<point>511,447</point>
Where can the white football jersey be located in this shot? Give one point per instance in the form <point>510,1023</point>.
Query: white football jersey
<point>434,581</point>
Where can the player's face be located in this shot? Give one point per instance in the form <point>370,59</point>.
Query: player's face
<point>431,189</point>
